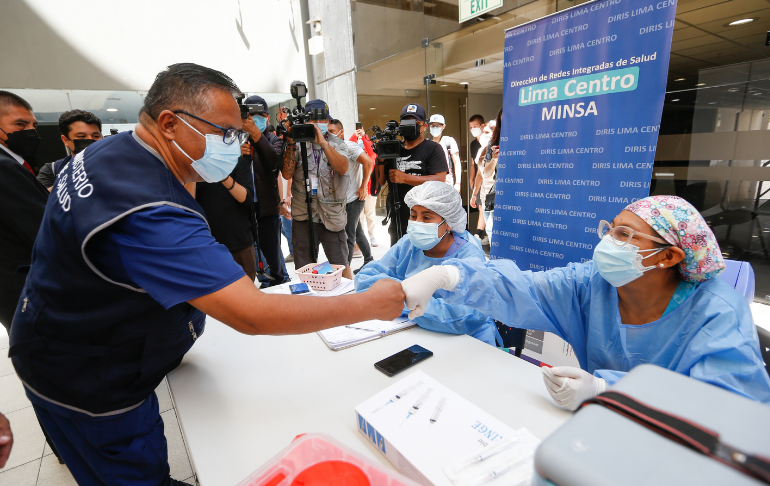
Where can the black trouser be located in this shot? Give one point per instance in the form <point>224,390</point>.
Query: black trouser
<point>334,243</point>
<point>355,232</point>
<point>394,235</point>
<point>270,244</point>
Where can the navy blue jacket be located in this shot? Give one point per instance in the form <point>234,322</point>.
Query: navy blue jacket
<point>78,338</point>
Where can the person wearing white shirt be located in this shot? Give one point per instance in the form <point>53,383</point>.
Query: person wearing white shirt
<point>451,151</point>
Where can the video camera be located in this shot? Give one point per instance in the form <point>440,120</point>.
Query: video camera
<point>388,146</point>
<point>249,110</point>
<point>301,130</point>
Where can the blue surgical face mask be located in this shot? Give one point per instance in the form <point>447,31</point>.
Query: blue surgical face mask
<point>436,131</point>
<point>261,122</point>
<point>324,127</point>
<point>424,236</point>
<point>219,159</point>
<point>619,265</point>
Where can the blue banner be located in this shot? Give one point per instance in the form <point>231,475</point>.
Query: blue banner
<point>582,101</point>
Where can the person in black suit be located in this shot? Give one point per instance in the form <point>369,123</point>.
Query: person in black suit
<point>22,199</point>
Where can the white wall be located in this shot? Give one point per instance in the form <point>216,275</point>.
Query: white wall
<point>123,44</point>
<point>485,105</point>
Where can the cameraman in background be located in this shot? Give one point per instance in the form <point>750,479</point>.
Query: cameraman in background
<point>328,163</point>
<point>263,152</point>
<point>420,161</point>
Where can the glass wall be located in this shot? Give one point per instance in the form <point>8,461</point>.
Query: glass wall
<point>714,144</point>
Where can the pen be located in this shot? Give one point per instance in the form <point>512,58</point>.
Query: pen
<point>360,328</point>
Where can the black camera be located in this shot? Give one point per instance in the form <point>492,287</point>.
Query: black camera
<point>387,144</point>
<point>249,110</point>
<point>301,130</point>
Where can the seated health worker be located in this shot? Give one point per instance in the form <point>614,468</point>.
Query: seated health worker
<point>648,296</point>
<point>435,233</point>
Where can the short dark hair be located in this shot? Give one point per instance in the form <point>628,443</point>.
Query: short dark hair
<point>477,118</point>
<point>334,121</point>
<point>181,86</point>
<point>68,118</point>
<point>8,99</point>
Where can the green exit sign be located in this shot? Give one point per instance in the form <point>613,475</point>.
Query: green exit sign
<point>474,8</point>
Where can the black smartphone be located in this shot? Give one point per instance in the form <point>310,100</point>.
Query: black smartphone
<point>402,360</point>
<point>359,125</point>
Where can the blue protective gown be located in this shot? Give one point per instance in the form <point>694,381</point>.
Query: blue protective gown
<point>710,336</point>
<point>404,260</point>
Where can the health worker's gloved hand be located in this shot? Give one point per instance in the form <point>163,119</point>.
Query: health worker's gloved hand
<point>571,386</point>
<point>419,288</point>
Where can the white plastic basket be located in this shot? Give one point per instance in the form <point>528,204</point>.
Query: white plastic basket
<point>323,283</point>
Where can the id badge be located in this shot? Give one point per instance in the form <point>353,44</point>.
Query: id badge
<point>314,186</point>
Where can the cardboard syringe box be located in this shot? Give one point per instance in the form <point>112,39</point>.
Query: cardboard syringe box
<point>420,442</point>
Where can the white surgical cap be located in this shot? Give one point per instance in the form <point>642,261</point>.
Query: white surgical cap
<point>442,199</point>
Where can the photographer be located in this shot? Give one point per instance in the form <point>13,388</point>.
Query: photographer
<point>263,152</point>
<point>420,161</point>
<point>328,163</point>
<point>359,173</point>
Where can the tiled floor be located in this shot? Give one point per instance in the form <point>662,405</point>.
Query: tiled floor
<point>33,464</point>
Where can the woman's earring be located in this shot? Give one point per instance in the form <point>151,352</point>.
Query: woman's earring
<point>661,265</point>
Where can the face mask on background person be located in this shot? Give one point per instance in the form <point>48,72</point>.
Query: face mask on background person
<point>436,131</point>
<point>424,235</point>
<point>81,144</point>
<point>219,159</point>
<point>476,131</point>
<point>324,127</point>
<point>619,265</point>
<point>261,122</point>
<point>23,143</point>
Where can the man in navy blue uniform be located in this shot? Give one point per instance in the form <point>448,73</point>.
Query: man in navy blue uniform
<point>124,271</point>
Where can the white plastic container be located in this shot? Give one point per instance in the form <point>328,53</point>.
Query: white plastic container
<point>323,283</point>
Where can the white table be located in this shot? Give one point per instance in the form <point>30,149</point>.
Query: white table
<point>240,399</point>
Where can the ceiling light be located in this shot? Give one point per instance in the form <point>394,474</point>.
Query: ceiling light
<point>712,103</point>
<point>680,79</point>
<point>733,90</point>
<point>675,99</point>
<point>701,84</point>
<point>444,85</point>
<point>740,22</point>
<point>757,94</point>
<point>112,109</point>
<point>465,82</point>
<point>372,108</point>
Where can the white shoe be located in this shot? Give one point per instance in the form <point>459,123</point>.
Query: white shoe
<point>373,242</point>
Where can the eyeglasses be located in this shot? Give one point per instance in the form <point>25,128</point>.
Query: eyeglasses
<point>229,135</point>
<point>621,235</point>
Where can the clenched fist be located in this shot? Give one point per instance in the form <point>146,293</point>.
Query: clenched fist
<point>387,297</point>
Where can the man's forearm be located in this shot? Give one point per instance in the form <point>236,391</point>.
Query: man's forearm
<point>289,161</point>
<point>338,161</point>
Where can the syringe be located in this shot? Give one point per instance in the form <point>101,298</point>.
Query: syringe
<point>399,396</point>
<point>438,410</point>
<point>416,407</point>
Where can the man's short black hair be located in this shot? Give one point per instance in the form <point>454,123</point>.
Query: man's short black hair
<point>182,87</point>
<point>334,121</point>
<point>8,99</point>
<point>477,118</point>
<point>68,118</point>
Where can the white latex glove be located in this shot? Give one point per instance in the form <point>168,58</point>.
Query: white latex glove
<point>571,386</point>
<point>420,288</point>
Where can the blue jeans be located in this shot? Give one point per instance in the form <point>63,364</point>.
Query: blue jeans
<point>286,232</point>
<point>123,449</point>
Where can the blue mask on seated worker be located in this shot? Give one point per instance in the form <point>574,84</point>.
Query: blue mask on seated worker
<point>219,159</point>
<point>424,235</point>
<point>261,122</point>
<point>619,265</point>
